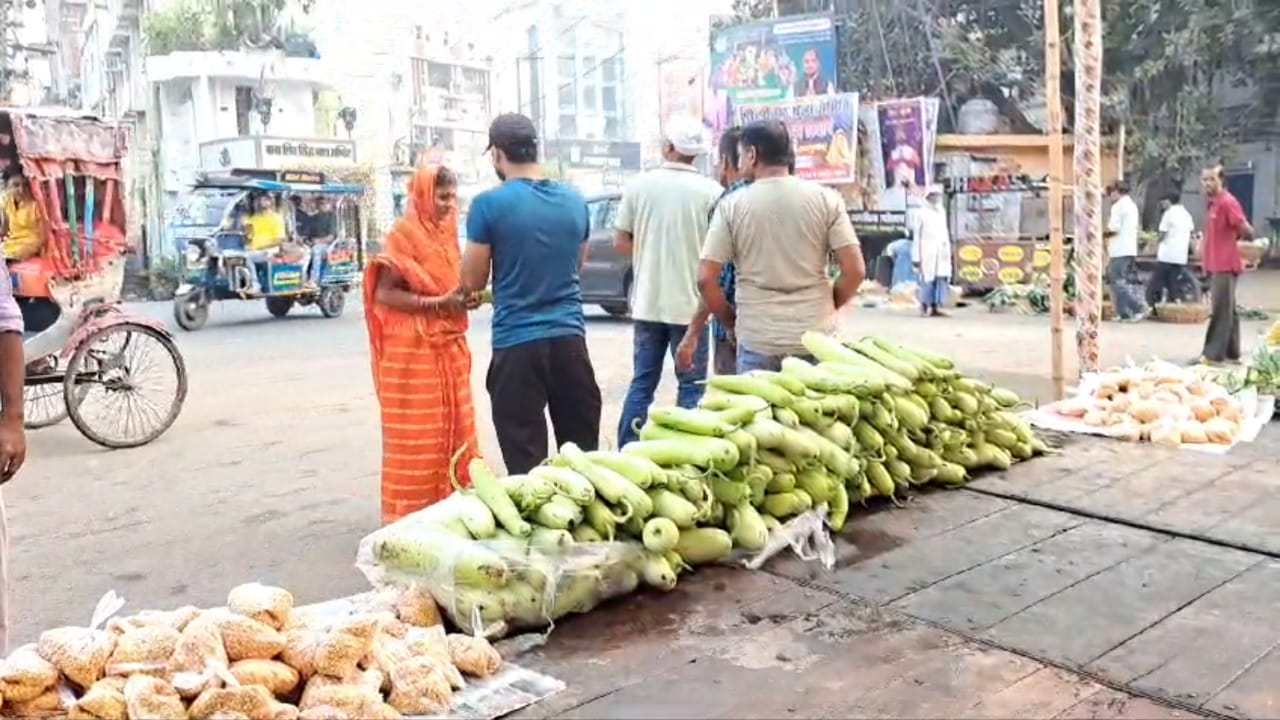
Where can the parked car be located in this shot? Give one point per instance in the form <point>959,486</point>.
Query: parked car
<point>606,275</point>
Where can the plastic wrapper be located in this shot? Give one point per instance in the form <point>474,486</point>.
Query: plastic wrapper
<point>198,650</point>
<point>176,619</point>
<point>473,655</point>
<point>144,649</point>
<point>806,535</point>
<point>81,653</point>
<point>490,587</point>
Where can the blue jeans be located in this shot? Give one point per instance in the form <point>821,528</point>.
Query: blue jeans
<point>318,255</point>
<point>1124,298</point>
<point>749,360</point>
<point>653,342</point>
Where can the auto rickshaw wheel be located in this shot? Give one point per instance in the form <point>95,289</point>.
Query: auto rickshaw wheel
<point>191,311</point>
<point>279,306</point>
<point>333,300</point>
<point>125,385</point>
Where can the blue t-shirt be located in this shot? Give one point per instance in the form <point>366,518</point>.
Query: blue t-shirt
<point>535,230</point>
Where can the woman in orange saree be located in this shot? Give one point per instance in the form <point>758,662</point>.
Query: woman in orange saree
<point>417,320</point>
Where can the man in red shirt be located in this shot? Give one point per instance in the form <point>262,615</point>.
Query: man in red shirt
<point>1224,227</point>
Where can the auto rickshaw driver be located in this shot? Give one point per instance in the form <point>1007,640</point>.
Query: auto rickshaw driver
<point>265,231</point>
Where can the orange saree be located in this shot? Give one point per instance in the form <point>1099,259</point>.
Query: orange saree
<point>421,362</point>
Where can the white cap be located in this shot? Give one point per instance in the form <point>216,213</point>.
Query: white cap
<point>686,135</point>
<point>933,190</point>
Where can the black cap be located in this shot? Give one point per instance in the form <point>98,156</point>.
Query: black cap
<point>511,129</point>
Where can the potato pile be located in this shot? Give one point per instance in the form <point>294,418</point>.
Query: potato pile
<point>1161,403</point>
<point>255,659</point>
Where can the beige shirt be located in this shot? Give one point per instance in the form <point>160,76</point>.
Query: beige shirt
<point>779,233</point>
<point>666,211</point>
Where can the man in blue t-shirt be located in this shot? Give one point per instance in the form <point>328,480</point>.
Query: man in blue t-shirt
<point>531,235</point>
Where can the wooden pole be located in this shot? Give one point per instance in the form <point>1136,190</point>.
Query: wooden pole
<point>1057,273</point>
<point>1087,176</point>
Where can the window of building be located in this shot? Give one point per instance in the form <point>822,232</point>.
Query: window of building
<point>590,86</point>
<point>609,71</point>
<point>475,82</point>
<point>244,107</point>
<point>568,101</point>
<point>418,71</point>
<point>439,75</point>
<point>609,99</point>
<point>566,68</point>
<point>568,126</point>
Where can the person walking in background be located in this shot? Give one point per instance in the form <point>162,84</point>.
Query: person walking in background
<point>724,353</point>
<point>13,440</point>
<point>1172,251</point>
<point>416,315</point>
<point>1122,251</point>
<point>662,221</point>
<point>931,253</point>
<point>779,232</point>
<point>1225,226</point>
<point>530,234</point>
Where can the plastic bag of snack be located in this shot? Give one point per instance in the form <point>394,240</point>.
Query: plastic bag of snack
<point>415,606</point>
<point>474,656</point>
<point>355,701</point>
<point>299,653</point>
<point>104,701</point>
<point>323,712</point>
<point>24,675</point>
<point>253,701</point>
<point>418,687</point>
<point>273,675</point>
<point>147,696</point>
<point>143,649</point>
<point>81,653</point>
<point>344,644</point>
<point>267,604</point>
<point>245,638</point>
<point>432,642</point>
<point>199,648</point>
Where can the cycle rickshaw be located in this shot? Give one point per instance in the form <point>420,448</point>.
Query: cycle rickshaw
<point>118,376</point>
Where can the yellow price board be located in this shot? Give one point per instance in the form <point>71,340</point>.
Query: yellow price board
<point>1041,259</point>
<point>970,273</point>
<point>1011,275</point>
<point>970,253</point>
<point>1011,254</point>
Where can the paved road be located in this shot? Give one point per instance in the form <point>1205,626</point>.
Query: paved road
<point>271,473</point>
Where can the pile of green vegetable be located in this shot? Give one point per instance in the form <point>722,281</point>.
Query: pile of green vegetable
<point>870,419</point>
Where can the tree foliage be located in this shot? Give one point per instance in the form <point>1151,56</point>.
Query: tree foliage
<point>1187,78</point>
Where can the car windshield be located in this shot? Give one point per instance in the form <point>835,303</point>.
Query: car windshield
<point>205,207</point>
<point>602,213</point>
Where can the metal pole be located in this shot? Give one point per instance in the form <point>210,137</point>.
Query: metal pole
<point>1053,99</point>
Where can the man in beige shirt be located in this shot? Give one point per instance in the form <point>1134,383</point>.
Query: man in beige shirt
<point>780,233</point>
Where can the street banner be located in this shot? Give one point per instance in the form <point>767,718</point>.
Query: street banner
<point>769,61</point>
<point>903,143</point>
<point>824,133</point>
<point>681,83</point>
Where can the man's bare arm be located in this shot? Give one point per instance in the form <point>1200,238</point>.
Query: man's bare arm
<point>853,269</point>
<point>713,297</point>
<point>624,242</point>
<point>476,262</point>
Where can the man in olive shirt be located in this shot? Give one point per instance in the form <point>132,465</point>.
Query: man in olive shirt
<point>779,233</point>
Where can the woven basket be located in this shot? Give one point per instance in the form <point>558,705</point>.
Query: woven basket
<point>1182,313</point>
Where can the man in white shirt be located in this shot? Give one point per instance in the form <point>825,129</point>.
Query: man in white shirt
<point>1122,249</point>
<point>661,223</point>
<point>1176,227</point>
<point>931,253</point>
